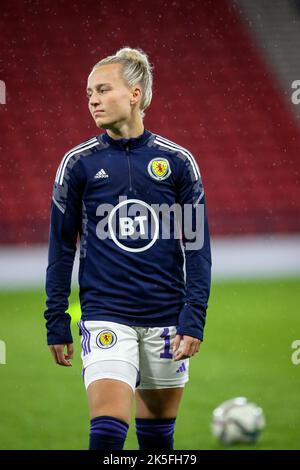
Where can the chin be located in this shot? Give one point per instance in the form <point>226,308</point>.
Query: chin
<point>103,125</point>
<point>106,125</point>
<point>99,123</point>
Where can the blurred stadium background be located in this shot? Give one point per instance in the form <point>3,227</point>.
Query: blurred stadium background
<point>223,84</point>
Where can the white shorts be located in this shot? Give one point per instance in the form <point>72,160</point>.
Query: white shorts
<point>139,356</point>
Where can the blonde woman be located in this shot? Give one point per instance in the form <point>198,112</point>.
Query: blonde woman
<point>144,284</point>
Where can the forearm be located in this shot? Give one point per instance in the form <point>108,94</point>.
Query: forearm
<point>198,282</point>
<point>58,287</point>
<point>62,248</point>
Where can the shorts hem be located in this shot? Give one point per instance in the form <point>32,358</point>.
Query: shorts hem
<point>109,376</point>
<point>152,386</point>
<point>98,359</point>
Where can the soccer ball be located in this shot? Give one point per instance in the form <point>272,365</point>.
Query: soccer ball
<point>237,420</point>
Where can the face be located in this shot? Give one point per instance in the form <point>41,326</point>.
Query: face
<point>109,97</point>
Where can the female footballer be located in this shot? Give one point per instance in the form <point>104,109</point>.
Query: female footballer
<point>136,200</point>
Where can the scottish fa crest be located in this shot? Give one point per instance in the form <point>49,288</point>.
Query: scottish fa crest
<point>159,169</point>
<point>106,339</point>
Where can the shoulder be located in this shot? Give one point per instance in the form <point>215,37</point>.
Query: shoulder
<point>168,144</point>
<point>180,154</point>
<point>72,156</point>
<point>86,144</point>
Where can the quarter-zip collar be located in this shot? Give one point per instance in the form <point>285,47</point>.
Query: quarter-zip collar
<point>132,142</point>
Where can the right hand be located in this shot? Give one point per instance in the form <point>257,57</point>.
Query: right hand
<point>57,351</point>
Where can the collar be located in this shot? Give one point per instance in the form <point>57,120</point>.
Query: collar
<point>132,142</point>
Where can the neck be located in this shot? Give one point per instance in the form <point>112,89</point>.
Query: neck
<point>127,130</point>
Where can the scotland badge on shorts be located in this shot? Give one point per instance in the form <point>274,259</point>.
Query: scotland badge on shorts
<point>159,169</point>
<point>106,339</point>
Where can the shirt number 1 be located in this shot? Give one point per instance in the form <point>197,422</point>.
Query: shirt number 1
<point>166,336</point>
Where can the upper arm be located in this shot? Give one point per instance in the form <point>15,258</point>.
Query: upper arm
<point>191,199</point>
<point>190,187</point>
<point>68,184</point>
<point>67,199</point>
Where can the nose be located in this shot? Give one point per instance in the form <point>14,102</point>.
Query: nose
<point>94,99</point>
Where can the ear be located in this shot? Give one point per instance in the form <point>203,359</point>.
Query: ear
<point>136,95</point>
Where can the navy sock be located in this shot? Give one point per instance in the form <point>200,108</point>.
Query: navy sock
<point>155,433</point>
<point>107,433</point>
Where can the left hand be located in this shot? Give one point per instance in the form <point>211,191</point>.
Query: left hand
<point>185,346</point>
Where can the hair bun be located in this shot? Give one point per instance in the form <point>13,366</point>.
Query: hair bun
<point>133,54</point>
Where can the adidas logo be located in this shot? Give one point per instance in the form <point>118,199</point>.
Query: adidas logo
<point>182,368</point>
<point>101,174</point>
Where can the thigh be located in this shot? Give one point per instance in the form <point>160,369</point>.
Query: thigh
<point>110,359</point>
<point>107,397</point>
<point>158,403</point>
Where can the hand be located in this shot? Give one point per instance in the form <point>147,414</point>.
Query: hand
<point>57,351</point>
<point>185,346</point>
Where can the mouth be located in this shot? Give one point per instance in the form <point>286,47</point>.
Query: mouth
<point>96,113</point>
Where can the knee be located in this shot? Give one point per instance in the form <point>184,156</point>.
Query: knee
<point>158,404</point>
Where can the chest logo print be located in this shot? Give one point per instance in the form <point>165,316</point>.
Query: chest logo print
<point>159,169</point>
<point>101,174</point>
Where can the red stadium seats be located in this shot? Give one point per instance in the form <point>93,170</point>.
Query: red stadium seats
<point>212,94</point>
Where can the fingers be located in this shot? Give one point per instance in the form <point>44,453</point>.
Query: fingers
<point>70,351</point>
<point>57,351</point>
<point>62,358</point>
<point>189,346</point>
<point>53,352</point>
<point>176,343</point>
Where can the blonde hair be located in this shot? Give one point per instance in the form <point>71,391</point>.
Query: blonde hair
<point>136,70</point>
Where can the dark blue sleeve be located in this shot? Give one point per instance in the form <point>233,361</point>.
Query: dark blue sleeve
<point>65,224</point>
<point>196,243</point>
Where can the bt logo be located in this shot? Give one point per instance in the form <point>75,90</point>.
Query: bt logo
<point>129,226</point>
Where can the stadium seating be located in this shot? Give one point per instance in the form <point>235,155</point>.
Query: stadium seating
<point>212,94</point>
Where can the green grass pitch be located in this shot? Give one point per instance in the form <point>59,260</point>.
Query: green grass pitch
<point>247,352</point>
